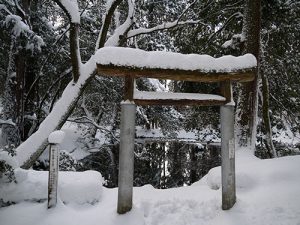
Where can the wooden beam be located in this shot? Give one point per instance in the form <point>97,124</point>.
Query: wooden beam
<point>128,88</point>
<point>179,102</point>
<point>178,99</point>
<point>241,75</point>
<point>226,90</point>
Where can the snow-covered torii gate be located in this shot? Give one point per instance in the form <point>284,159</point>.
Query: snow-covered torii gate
<point>134,63</point>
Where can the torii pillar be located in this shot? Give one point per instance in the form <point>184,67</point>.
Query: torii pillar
<point>126,154</point>
<point>227,148</point>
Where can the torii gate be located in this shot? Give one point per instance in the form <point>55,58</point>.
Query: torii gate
<point>133,63</point>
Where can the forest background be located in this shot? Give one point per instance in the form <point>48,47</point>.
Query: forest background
<point>37,63</point>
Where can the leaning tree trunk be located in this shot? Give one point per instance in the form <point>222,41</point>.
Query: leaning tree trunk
<point>247,97</point>
<point>29,151</point>
<point>270,149</point>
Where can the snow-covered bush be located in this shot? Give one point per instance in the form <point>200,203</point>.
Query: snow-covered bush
<point>7,164</point>
<point>66,162</point>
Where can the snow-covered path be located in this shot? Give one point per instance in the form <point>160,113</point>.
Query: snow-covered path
<point>267,193</point>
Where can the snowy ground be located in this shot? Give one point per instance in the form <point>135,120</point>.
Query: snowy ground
<point>267,193</point>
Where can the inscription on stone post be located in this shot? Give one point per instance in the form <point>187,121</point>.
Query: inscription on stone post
<point>54,139</point>
<point>53,175</point>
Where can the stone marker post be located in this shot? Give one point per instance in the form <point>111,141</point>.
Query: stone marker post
<point>54,139</point>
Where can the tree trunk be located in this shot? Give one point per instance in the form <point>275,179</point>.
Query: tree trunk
<point>247,97</point>
<point>193,164</point>
<point>10,133</point>
<point>266,117</point>
<point>20,76</point>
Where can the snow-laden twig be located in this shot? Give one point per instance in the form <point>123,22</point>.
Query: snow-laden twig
<point>54,84</point>
<point>166,25</point>
<point>233,16</point>
<point>163,26</point>
<point>7,122</point>
<point>87,119</point>
<point>19,8</point>
<point>3,7</point>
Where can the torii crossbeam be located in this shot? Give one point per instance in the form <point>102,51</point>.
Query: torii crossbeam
<point>135,63</point>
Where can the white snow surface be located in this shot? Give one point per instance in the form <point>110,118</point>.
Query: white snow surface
<point>73,187</point>
<point>56,137</point>
<point>169,60</point>
<point>72,8</point>
<point>146,95</point>
<point>267,193</point>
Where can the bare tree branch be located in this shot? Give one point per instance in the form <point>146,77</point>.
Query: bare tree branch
<point>235,15</point>
<point>65,73</point>
<point>86,119</point>
<point>168,25</point>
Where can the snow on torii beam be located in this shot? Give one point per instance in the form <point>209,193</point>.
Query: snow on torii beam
<point>136,63</point>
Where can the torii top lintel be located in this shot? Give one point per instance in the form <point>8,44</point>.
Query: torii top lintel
<point>136,63</point>
<point>116,61</point>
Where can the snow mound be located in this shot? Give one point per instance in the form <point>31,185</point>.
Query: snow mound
<point>267,193</point>
<point>56,137</point>
<point>177,211</point>
<point>73,187</point>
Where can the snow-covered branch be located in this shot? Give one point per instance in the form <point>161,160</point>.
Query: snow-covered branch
<point>7,122</point>
<point>4,8</point>
<point>111,6</point>
<point>19,9</point>
<point>87,119</point>
<point>186,9</point>
<point>54,84</point>
<point>121,32</point>
<point>70,7</point>
<point>163,26</point>
<point>235,15</point>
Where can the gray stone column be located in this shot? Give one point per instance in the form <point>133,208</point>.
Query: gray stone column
<point>53,175</point>
<point>54,139</point>
<point>228,156</point>
<point>126,156</point>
